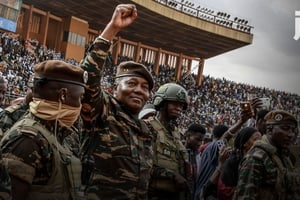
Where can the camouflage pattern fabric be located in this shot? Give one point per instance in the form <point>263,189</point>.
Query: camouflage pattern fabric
<point>10,115</point>
<point>170,157</point>
<point>30,155</point>
<point>117,148</point>
<point>5,186</point>
<point>295,150</point>
<point>266,175</point>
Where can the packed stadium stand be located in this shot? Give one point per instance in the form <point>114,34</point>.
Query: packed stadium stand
<point>201,33</point>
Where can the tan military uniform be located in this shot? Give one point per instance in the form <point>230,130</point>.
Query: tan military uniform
<point>169,158</point>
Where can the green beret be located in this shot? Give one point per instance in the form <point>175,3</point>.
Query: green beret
<point>130,68</point>
<point>279,117</point>
<point>60,71</point>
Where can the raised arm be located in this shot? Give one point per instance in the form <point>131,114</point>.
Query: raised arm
<point>123,16</point>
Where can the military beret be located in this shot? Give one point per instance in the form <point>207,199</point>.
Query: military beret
<point>60,71</point>
<point>279,117</point>
<point>130,68</point>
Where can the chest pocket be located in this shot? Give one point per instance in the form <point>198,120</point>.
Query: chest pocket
<point>114,138</point>
<point>167,152</point>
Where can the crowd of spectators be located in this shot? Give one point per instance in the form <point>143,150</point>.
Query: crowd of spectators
<point>216,101</point>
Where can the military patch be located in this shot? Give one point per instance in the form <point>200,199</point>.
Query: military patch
<point>167,152</point>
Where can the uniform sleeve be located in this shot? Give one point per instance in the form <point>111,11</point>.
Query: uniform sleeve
<point>24,158</point>
<point>93,64</point>
<point>250,178</point>
<point>10,115</point>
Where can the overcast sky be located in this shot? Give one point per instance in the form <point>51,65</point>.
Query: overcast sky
<point>273,59</point>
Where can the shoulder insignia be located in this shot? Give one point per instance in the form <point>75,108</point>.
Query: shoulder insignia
<point>29,130</point>
<point>13,108</point>
<point>257,152</point>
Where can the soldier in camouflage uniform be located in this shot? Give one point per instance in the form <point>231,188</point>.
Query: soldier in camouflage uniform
<point>40,164</point>
<point>117,150</point>
<point>169,178</point>
<point>13,113</point>
<point>267,172</point>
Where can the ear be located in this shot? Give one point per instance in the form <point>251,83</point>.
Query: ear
<point>115,86</point>
<point>63,95</point>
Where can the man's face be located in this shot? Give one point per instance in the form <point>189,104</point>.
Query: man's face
<point>3,89</point>
<point>133,92</point>
<point>174,109</point>
<point>194,141</point>
<point>75,95</point>
<point>283,134</point>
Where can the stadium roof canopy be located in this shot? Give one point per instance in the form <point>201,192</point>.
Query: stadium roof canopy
<point>157,25</point>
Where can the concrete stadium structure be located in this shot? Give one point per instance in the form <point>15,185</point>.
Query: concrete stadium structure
<point>166,32</point>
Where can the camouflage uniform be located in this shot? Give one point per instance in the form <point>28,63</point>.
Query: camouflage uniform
<point>28,149</point>
<point>4,181</point>
<point>10,115</point>
<point>266,175</point>
<point>117,151</point>
<point>169,158</point>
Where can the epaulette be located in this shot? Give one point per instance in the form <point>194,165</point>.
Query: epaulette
<point>13,108</point>
<point>259,154</point>
<point>29,130</point>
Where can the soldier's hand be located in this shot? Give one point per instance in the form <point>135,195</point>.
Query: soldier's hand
<point>246,114</point>
<point>256,103</point>
<point>224,153</point>
<point>123,16</point>
<point>180,182</point>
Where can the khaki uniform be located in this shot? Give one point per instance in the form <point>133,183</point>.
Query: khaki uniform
<point>169,158</point>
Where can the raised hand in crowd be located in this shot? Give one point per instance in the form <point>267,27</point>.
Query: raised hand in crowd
<point>123,16</point>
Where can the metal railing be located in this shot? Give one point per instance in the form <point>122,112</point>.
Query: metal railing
<point>220,18</point>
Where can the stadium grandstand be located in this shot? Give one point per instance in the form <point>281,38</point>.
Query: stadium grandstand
<point>166,37</point>
<point>166,32</point>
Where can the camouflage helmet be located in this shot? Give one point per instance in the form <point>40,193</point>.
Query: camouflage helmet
<point>170,92</point>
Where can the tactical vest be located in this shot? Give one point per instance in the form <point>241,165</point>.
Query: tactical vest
<point>170,154</point>
<point>65,182</point>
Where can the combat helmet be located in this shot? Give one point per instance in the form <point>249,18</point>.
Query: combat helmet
<point>170,92</point>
